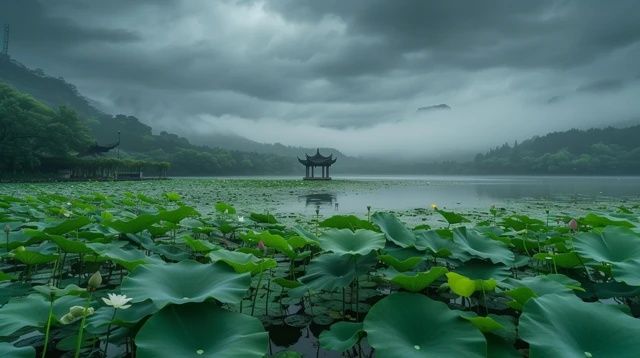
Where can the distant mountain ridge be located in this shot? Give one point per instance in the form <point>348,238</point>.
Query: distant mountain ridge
<point>57,92</point>
<point>138,140</point>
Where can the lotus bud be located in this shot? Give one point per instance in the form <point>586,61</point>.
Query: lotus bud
<point>573,225</point>
<point>434,206</point>
<point>262,247</point>
<point>94,281</point>
<point>7,229</point>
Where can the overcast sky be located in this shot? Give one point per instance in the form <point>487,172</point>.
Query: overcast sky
<point>347,74</point>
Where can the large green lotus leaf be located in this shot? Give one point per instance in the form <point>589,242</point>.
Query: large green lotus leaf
<point>129,259</point>
<point>242,262</point>
<point>70,246</point>
<point>594,220</point>
<point>186,281</point>
<point>28,257</point>
<point>483,270</point>
<point>140,223</point>
<point>341,336</point>
<point>615,245</point>
<point>98,322</point>
<point>331,271</point>
<point>224,208</point>
<point>565,326</point>
<point>175,216</point>
<point>432,240</point>
<point>477,245</point>
<point>562,260</point>
<point>530,287</point>
<point>201,330</point>
<point>270,240</point>
<point>401,265</point>
<point>8,350</point>
<point>419,281</point>
<point>451,217</point>
<point>68,226</point>
<point>32,311</point>
<point>395,230</point>
<point>347,242</point>
<point>350,222</point>
<point>263,218</point>
<point>412,325</point>
<point>198,245</point>
<point>402,259</point>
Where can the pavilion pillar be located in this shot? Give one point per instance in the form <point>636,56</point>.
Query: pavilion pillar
<point>323,172</point>
<point>328,172</point>
<point>312,171</point>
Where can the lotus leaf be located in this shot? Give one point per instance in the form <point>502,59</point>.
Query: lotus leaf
<point>412,325</point>
<point>8,350</point>
<point>565,326</point>
<point>242,262</point>
<point>341,336</point>
<point>347,242</point>
<point>331,271</point>
<point>350,222</point>
<point>140,223</point>
<point>186,281</point>
<point>617,246</point>
<point>32,311</point>
<point>434,242</point>
<point>68,226</point>
<point>476,245</point>
<point>451,217</point>
<point>395,230</point>
<point>204,330</point>
<point>419,281</point>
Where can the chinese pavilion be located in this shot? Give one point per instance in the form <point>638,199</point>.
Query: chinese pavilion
<point>317,160</point>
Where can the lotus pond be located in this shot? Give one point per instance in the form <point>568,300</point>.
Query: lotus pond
<point>192,268</point>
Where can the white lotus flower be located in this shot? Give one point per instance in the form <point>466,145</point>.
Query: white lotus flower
<point>241,219</point>
<point>117,301</point>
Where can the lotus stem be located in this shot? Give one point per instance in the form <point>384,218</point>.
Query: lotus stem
<point>81,329</point>
<point>344,311</point>
<point>106,344</point>
<point>266,304</point>
<point>48,328</point>
<point>255,295</point>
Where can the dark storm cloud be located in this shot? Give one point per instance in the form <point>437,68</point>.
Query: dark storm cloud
<point>33,28</point>
<point>336,68</point>
<point>604,85</point>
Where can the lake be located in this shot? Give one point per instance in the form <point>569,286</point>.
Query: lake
<point>292,196</point>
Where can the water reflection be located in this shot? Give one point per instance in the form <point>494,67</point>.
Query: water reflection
<point>319,199</point>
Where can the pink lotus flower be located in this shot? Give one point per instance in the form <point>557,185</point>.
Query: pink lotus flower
<point>262,247</point>
<point>573,225</point>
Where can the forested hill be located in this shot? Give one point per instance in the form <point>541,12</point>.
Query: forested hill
<point>138,141</point>
<point>598,151</point>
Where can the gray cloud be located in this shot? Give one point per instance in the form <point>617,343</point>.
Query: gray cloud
<point>335,67</point>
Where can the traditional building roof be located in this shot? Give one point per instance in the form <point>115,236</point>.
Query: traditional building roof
<point>317,159</point>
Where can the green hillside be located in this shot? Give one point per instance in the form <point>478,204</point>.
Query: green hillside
<point>594,151</point>
<point>137,138</point>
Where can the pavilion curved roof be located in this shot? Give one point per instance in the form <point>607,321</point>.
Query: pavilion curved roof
<point>317,159</point>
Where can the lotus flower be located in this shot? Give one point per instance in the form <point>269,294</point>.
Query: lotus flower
<point>573,225</point>
<point>117,301</point>
<point>94,281</point>
<point>75,313</point>
<point>262,247</point>
<point>240,219</point>
<point>434,206</point>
